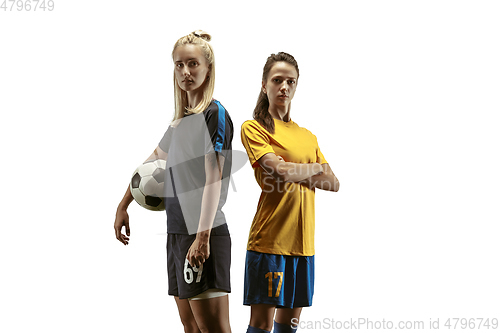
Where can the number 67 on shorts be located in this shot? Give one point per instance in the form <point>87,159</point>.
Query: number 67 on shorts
<point>189,272</point>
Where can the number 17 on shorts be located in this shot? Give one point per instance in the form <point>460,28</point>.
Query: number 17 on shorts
<point>286,281</point>
<point>277,275</point>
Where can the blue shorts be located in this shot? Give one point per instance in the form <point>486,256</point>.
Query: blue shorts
<point>284,281</point>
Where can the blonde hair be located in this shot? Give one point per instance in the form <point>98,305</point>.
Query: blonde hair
<point>200,38</point>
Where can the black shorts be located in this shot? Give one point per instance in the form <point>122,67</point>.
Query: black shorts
<point>186,281</point>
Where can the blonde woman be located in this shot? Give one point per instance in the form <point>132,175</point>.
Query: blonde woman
<point>288,166</point>
<point>197,148</point>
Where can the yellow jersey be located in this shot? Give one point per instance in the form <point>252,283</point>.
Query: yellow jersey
<point>284,221</point>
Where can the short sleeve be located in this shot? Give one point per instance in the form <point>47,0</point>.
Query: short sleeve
<point>164,143</point>
<point>220,129</point>
<point>256,141</point>
<point>319,155</point>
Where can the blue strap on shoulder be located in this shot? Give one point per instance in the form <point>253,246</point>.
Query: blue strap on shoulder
<point>221,127</point>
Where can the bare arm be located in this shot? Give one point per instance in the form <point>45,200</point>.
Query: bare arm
<point>122,219</point>
<point>158,154</point>
<point>200,249</point>
<point>288,171</point>
<point>326,181</point>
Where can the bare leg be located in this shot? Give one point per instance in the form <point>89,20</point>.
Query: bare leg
<point>262,316</point>
<point>186,315</point>
<point>285,316</point>
<point>212,314</point>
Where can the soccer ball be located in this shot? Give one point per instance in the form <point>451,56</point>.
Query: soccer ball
<point>147,184</point>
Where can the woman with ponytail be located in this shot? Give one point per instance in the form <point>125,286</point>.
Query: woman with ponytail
<point>197,149</point>
<point>289,166</point>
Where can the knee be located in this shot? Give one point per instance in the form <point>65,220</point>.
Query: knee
<point>265,324</point>
<point>191,330</point>
<point>190,327</point>
<point>215,328</point>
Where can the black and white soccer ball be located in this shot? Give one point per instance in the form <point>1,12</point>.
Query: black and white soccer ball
<point>147,184</point>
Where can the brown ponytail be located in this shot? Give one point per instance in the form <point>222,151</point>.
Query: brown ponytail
<point>261,111</point>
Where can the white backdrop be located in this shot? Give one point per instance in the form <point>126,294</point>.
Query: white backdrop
<point>402,95</point>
